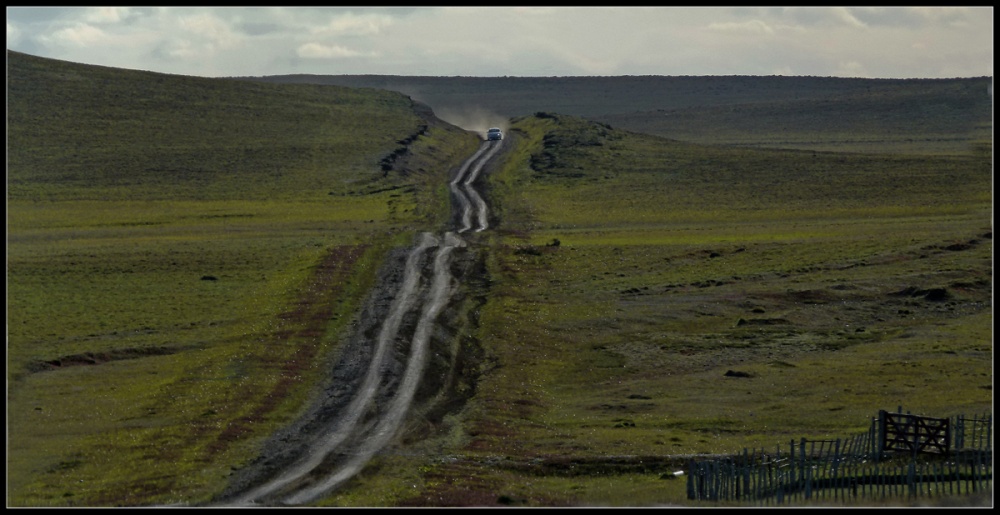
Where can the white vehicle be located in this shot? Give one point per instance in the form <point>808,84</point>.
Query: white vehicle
<point>494,134</point>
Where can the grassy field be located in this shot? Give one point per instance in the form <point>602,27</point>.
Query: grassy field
<point>908,117</point>
<point>183,255</point>
<point>630,274</point>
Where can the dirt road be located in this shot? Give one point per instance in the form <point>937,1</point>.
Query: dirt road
<point>462,187</point>
<point>374,382</point>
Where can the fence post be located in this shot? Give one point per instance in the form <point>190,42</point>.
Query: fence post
<point>836,464</point>
<point>989,433</point>
<point>959,465</point>
<point>791,461</point>
<point>881,435</point>
<point>873,444</point>
<point>939,486</point>
<point>953,477</point>
<point>717,488</point>
<point>780,494</point>
<point>880,478</point>
<point>804,470</point>
<point>959,432</point>
<point>947,439</point>
<point>976,433</point>
<point>911,479</point>
<point>712,469</point>
<point>690,480</point>
<point>836,454</point>
<point>746,473</point>
<point>975,472</point>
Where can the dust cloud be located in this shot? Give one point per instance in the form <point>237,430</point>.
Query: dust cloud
<point>474,119</point>
<point>470,118</point>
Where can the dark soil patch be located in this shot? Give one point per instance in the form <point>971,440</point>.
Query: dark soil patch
<point>97,358</point>
<point>761,321</point>
<point>931,294</point>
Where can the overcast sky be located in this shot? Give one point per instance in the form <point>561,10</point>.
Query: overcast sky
<point>924,42</point>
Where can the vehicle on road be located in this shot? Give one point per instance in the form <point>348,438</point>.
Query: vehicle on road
<point>494,134</point>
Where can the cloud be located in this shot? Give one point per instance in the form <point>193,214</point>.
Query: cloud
<point>845,16</point>
<point>13,35</point>
<point>952,16</point>
<point>180,37</point>
<point>320,51</point>
<point>750,26</point>
<point>516,41</point>
<point>212,31</point>
<point>253,29</point>
<point>820,16</point>
<point>851,69</point>
<point>914,18</point>
<point>177,49</point>
<point>79,35</point>
<point>105,14</point>
<point>535,11</point>
<point>350,24</point>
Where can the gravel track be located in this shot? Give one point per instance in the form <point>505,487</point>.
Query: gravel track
<point>376,378</point>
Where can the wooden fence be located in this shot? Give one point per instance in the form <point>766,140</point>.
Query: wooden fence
<point>973,433</point>
<point>859,467</point>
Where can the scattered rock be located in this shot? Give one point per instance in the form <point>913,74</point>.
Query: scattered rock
<point>507,500</point>
<point>937,294</point>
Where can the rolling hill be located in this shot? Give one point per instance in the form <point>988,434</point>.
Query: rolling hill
<point>928,116</point>
<point>186,256</point>
<point>177,250</point>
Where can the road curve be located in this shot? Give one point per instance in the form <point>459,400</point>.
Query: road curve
<point>462,187</point>
<point>321,449</point>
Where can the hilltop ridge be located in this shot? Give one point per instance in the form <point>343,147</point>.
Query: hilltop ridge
<point>815,113</point>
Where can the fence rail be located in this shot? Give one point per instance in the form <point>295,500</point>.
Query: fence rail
<point>959,462</point>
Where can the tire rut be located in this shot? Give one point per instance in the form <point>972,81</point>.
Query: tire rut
<point>376,379</point>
